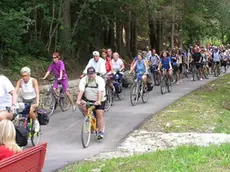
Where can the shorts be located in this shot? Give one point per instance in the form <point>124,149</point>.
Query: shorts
<point>224,63</point>
<point>63,82</point>
<point>175,67</point>
<point>98,107</point>
<point>180,68</point>
<point>30,101</point>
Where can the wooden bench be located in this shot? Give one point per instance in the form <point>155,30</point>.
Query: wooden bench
<point>30,160</point>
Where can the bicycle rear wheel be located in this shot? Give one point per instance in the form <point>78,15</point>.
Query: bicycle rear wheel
<point>48,102</point>
<point>163,85</point>
<point>64,102</point>
<point>35,136</point>
<point>121,95</point>
<point>134,94</point>
<point>86,132</point>
<point>109,98</point>
<point>206,73</point>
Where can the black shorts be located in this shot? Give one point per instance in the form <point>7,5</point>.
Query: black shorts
<point>180,68</point>
<point>175,68</point>
<point>98,107</point>
<point>224,63</point>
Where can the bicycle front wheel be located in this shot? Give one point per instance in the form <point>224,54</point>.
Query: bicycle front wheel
<point>145,96</point>
<point>64,102</point>
<point>109,98</point>
<point>35,136</point>
<point>134,94</point>
<point>48,102</point>
<point>157,78</point>
<point>86,132</point>
<point>163,85</point>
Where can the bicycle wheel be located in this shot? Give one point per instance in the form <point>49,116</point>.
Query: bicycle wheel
<point>206,72</point>
<point>198,75</point>
<point>134,94</point>
<point>86,132</point>
<point>64,102</point>
<point>215,71</point>
<point>121,95</point>
<point>193,73</point>
<point>48,102</point>
<point>145,95</point>
<point>163,85</point>
<point>35,137</point>
<point>157,78</point>
<point>169,85</point>
<point>109,98</point>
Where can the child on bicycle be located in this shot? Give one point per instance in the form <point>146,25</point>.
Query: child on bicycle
<point>59,71</point>
<point>165,62</point>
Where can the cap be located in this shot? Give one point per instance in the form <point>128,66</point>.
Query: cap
<point>96,53</point>
<point>91,70</point>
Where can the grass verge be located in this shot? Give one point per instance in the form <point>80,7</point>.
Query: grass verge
<point>204,110</point>
<point>190,159</point>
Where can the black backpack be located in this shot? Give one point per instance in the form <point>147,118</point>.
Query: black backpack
<point>21,136</point>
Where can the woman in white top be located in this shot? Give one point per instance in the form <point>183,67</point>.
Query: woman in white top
<point>117,63</point>
<point>29,93</point>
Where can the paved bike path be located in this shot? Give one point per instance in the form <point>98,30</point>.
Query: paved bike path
<point>63,131</point>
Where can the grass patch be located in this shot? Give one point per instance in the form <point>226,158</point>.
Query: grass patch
<point>190,159</point>
<point>203,110</point>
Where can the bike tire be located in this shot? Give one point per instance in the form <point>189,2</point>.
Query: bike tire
<point>121,95</point>
<point>51,100</point>
<point>157,78</point>
<point>86,126</point>
<point>169,85</point>
<point>193,73</point>
<point>163,85</point>
<point>64,102</point>
<point>109,99</point>
<point>206,73</point>
<point>143,98</point>
<point>134,92</point>
<point>35,135</point>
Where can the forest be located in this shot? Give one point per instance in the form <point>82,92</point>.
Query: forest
<point>31,30</point>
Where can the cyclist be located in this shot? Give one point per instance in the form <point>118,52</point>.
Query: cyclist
<point>92,89</point>
<point>108,61</point>
<point>110,53</point>
<point>216,58</point>
<point>196,59</point>
<point>141,67</point>
<point>117,63</point>
<point>165,62</point>
<point>30,93</point>
<point>174,57</point>
<point>59,71</point>
<point>8,97</point>
<point>153,61</point>
<point>97,63</point>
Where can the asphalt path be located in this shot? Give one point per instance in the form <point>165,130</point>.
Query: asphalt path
<point>63,132</point>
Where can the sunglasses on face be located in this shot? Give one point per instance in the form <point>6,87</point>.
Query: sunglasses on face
<point>54,57</point>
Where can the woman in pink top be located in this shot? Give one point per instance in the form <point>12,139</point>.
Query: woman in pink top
<point>58,69</point>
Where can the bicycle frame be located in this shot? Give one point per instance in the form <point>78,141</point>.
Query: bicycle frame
<point>90,109</point>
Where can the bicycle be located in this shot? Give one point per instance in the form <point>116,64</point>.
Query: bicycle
<point>22,119</point>
<point>156,75</point>
<point>138,90</point>
<point>117,84</point>
<point>89,125</point>
<point>166,82</point>
<point>51,99</point>
<point>206,71</point>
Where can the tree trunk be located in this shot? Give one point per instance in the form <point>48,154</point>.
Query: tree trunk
<point>66,35</point>
<point>111,35</point>
<point>158,34</point>
<point>118,37</point>
<point>128,34</point>
<point>152,32</point>
<point>134,36</point>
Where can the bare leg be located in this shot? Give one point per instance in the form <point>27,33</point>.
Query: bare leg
<point>100,119</point>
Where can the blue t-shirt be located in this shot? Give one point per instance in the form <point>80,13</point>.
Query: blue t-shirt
<point>140,67</point>
<point>166,62</point>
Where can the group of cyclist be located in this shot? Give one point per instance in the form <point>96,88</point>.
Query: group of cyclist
<point>92,82</point>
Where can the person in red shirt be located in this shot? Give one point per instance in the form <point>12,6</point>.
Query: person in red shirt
<point>8,145</point>
<point>108,62</point>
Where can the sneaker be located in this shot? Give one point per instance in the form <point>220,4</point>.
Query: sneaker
<point>100,135</point>
<point>177,82</point>
<point>36,126</point>
<point>74,108</point>
<point>201,79</point>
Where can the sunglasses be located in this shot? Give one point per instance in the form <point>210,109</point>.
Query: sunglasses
<point>54,57</point>
<point>24,76</point>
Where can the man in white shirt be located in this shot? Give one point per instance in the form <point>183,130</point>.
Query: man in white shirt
<point>97,63</point>
<point>92,89</point>
<point>8,98</point>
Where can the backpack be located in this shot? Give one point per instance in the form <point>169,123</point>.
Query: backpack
<point>21,136</point>
<point>43,117</point>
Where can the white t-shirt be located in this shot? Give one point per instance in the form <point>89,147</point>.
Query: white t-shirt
<point>28,91</point>
<point>117,64</point>
<point>91,91</point>
<point>5,87</point>
<point>99,66</point>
